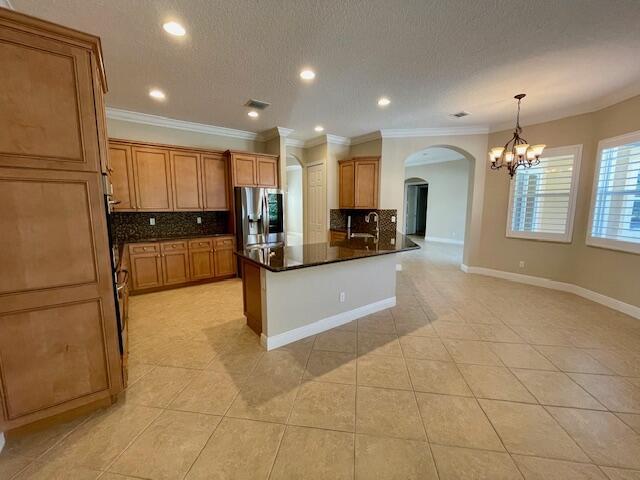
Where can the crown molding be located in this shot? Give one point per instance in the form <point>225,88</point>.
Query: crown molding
<point>338,140</point>
<point>158,121</point>
<point>294,142</point>
<point>433,132</point>
<point>314,142</point>
<point>275,132</point>
<point>367,137</point>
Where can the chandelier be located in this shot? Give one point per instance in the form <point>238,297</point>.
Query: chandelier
<point>516,152</point>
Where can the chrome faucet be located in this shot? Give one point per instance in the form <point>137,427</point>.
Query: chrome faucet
<point>367,218</point>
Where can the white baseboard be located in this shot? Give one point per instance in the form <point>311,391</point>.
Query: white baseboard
<point>450,241</point>
<point>324,324</point>
<point>618,305</point>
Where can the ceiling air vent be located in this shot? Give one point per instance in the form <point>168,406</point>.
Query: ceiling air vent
<point>461,114</point>
<point>257,104</point>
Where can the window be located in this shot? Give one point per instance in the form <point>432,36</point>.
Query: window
<point>542,198</point>
<point>615,209</point>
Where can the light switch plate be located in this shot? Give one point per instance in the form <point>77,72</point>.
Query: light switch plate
<point>199,220</point>
<point>393,219</point>
<point>152,221</point>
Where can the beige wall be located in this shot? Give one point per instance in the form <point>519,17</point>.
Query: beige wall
<point>447,199</point>
<point>611,273</point>
<point>367,149</point>
<point>173,136</point>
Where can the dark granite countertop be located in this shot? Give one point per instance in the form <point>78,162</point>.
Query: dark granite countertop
<point>283,258</point>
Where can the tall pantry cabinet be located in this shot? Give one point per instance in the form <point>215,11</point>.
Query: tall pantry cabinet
<point>59,345</point>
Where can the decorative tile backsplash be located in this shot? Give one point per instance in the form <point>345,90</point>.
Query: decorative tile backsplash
<point>338,220</point>
<point>128,227</point>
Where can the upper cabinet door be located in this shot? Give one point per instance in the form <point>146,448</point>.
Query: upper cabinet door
<point>185,177</point>
<point>47,107</point>
<point>366,184</point>
<point>152,179</point>
<point>122,177</point>
<point>215,182</point>
<point>347,184</point>
<point>244,170</point>
<point>267,172</point>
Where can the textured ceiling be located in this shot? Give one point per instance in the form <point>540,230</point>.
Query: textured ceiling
<point>431,57</point>
<point>432,155</point>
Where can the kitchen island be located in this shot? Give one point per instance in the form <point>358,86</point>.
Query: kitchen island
<point>292,292</point>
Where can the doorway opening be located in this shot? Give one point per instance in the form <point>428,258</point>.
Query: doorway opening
<point>437,185</point>
<point>294,208</point>
<point>417,198</point>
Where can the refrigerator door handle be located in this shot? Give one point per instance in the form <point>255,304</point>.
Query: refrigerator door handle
<point>265,213</point>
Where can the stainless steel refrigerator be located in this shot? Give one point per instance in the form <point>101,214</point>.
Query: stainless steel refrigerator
<point>259,217</point>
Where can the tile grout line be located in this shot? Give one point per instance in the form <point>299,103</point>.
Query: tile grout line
<point>415,399</point>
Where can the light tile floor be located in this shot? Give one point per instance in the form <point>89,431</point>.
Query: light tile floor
<point>467,377</point>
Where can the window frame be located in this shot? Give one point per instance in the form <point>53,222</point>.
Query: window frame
<point>609,243</point>
<point>567,236</point>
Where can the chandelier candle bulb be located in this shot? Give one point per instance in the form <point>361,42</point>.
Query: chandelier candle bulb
<point>521,149</point>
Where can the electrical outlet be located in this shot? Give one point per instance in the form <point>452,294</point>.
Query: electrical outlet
<point>199,220</point>
<point>393,219</point>
<point>152,221</point>
<point>343,297</point>
<point>522,264</point>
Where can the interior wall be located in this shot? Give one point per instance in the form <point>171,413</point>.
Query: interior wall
<point>609,272</point>
<point>472,147</point>
<point>372,148</point>
<point>173,136</point>
<point>294,202</point>
<point>447,200</point>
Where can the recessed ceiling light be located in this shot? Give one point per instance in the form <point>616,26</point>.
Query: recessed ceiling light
<point>383,101</point>
<point>319,128</point>
<point>174,28</point>
<point>307,74</point>
<point>157,94</point>
<point>253,114</point>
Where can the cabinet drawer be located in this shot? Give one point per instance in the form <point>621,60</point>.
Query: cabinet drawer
<point>137,248</point>
<point>201,244</point>
<point>223,243</point>
<point>176,246</point>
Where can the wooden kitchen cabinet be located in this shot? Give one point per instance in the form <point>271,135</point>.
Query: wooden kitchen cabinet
<point>215,182</point>
<point>58,330</point>
<point>359,178</point>
<point>186,181</point>
<point>153,177</point>
<point>244,170</point>
<point>254,170</point>
<point>175,262</point>
<point>158,265</point>
<point>225,262</point>
<point>146,266</point>
<point>151,173</point>
<point>201,261</point>
<point>121,177</point>
<point>347,183</point>
<point>267,168</point>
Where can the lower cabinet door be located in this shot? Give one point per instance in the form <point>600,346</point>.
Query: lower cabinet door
<point>201,262</point>
<point>146,271</point>
<point>175,267</point>
<point>225,262</point>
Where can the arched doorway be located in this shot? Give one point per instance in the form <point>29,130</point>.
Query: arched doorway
<point>294,212</point>
<point>438,191</point>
